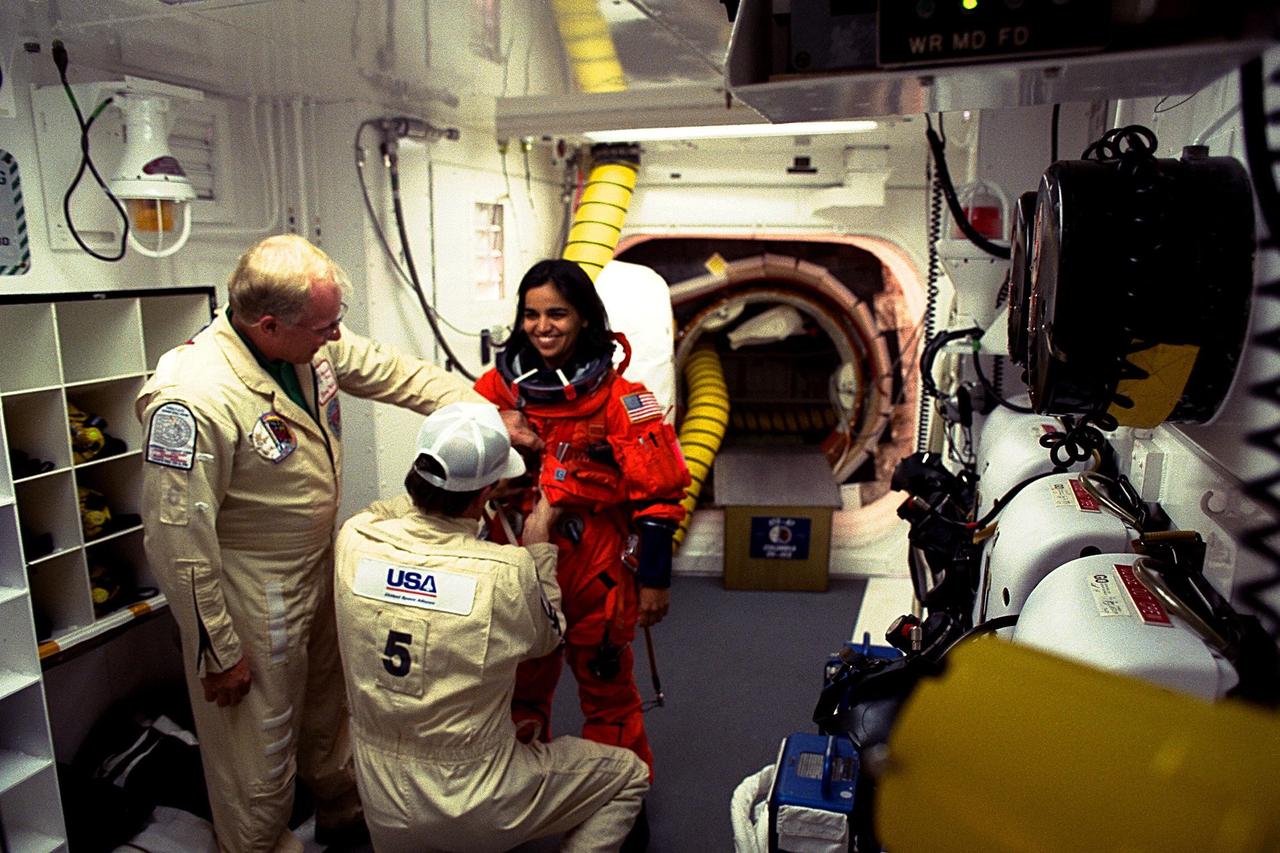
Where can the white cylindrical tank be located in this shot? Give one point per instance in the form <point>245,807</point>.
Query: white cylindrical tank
<point>1009,452</point>
<point>1096,610</point>
<point>1048,523</point>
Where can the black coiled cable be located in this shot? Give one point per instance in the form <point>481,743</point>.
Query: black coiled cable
<point>1081,440</point>
<point>60,59</point>
<point>1126,144</point>
<point>927,389</point>
<point>1262,160</point>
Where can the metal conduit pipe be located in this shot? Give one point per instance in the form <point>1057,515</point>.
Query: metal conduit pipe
<point>606,197</point>
<point>705,420</point>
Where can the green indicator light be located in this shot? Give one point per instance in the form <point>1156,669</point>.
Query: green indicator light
<point>969,5</point>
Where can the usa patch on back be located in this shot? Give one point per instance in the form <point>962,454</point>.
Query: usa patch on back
<point>641,407</point>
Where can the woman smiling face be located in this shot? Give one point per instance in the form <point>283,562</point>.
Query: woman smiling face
<point>551,323</point>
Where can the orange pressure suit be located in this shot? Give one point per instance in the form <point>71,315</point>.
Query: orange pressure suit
<point>612,465</point>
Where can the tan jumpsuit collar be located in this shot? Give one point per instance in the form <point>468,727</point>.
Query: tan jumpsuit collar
<point>399,524</point>
<point>246,367</point>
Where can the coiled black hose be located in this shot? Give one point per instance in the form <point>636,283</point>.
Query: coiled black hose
<point>1262,160</point>
<point>934,229</point>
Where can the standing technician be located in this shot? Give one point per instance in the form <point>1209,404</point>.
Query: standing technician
<point>433,622</point>
<point>241,488</point>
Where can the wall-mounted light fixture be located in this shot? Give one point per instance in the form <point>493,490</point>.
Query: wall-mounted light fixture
<point>149,179</point>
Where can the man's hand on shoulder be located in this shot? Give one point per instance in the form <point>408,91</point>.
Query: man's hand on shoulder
<point>229,687</point>
<point>521,434</point>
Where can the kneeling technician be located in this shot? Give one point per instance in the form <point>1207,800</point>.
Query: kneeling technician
<point>432,622</point>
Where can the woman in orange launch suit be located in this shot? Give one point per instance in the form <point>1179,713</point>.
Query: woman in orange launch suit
<point>615,469</point>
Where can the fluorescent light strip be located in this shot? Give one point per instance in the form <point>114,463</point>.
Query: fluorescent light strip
<point>730,131</point>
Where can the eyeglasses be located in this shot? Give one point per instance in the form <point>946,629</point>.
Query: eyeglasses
<point>332,327</point>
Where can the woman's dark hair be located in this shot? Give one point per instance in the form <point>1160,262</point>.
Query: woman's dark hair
<point>572,283</point>
<point>430,498</point>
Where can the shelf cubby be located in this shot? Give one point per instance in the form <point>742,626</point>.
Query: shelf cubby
<point>119,480</point>
<point>12,576</point>
<point>35,422</point>
<point>100,339</point>
<point>28,821</point>
<point>48,504</point>
<point>28,348</point>
<point>112,401</point>
<point>18,663</point>
<point>168,321</point>
<point>60,594</point>
<point>123,557</point>
<point>24,749</point>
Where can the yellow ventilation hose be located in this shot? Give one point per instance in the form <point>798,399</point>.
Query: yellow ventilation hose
<point>597,223</point>
<point>705,421</point>
<point>588,46</point>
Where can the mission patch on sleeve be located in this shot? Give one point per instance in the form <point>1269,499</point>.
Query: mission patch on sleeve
<point>171,438</point>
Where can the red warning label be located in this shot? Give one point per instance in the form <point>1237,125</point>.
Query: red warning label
<point>1084,500</point>
<point>1144,600</point>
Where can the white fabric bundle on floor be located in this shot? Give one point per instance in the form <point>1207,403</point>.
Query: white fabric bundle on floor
<point>749,812</point>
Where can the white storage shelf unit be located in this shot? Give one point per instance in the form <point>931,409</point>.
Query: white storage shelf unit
<point>28,782</point>
<point>91,352</point>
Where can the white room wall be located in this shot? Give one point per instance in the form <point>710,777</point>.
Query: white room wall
<point>440,184</point>
<point>203,262</point>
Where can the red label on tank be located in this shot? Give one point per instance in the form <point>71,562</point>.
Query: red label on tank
<point>1147,605</point>
<point>1084,500</point>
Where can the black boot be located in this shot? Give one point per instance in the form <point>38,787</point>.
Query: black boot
<point>637,840</point>
<point>345,837</point>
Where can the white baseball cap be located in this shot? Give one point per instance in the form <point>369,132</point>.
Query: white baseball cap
<point>470,442</point>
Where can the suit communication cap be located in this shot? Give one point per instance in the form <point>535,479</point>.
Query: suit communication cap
<point>470,442</point>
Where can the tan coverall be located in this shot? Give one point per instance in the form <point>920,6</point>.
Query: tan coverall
<point>240,493</point>
<point>432,623</point>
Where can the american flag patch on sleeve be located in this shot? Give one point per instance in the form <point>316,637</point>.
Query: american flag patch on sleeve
<point>641,407</point>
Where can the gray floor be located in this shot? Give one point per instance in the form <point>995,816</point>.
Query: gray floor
<point>740,670</point>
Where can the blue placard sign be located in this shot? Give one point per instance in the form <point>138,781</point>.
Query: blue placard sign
<point>780,537</point>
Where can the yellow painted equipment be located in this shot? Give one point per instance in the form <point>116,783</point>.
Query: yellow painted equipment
<point>1016,751</point>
